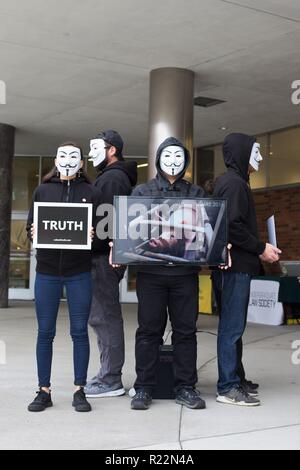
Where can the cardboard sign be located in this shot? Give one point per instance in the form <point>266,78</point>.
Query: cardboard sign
<point>264,307</point>
<point>62,226</point>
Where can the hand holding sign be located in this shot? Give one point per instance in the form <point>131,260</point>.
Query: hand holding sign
<point>229,262</point>
<point>115,266</point>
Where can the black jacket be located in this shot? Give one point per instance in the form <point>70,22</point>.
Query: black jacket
<point>117,179</point>
<point>161,187</point>
<point>63,262</point>
<point>234,186</point>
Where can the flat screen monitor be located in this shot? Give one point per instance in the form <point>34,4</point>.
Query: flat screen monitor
<point>170,231</point>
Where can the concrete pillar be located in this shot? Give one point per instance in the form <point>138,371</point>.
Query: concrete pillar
<point>7,141</point>
<point>171,110</point>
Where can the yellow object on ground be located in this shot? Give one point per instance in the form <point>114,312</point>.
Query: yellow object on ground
<point>205,296</point>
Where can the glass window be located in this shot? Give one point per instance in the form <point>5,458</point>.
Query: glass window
<point>284,162</point>
<point>47,165</point>
<point>132,276</point>
<point>19,256</point>
<point>142,168</point>
<point>220,167</point>
<point>91,171</point>
<point>25,180</point>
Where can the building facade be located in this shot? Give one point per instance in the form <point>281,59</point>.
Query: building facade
<point>277,182</point>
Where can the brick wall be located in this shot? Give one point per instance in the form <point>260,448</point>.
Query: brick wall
<point>285,204</point>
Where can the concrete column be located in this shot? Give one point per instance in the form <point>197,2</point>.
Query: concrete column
<point>171,110</point>
<point>7,141</point>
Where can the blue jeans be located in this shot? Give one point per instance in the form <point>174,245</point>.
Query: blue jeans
<point>48,292</point>
<point>234,292</point>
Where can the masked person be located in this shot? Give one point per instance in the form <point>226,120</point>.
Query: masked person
<point>115,178</point>
<point>58,269</point>
<point>242,157</point>
<point>164,290</point>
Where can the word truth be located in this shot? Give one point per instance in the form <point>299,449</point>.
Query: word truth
<point>70,225</point>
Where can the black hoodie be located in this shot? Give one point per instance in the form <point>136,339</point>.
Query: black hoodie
<point>161,187</point>
<point>117,179</point>
<point>234,186</point>
<point>63,262</point>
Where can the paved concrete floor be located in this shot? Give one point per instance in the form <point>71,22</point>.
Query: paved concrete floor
<point>112,425</point>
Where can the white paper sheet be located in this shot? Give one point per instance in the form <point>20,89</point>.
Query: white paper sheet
<point>272,231</point>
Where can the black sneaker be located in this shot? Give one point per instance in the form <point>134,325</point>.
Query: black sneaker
<point>190,397</point>
<point>41,402</point>
<point>250,385</point>
<point>141,401</point>
<point>80,402</point>
<point>237,396</point>
<point>250,388</point>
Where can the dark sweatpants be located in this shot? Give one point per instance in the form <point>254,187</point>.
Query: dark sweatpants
<point>177,295</point>
<point>107,321</point>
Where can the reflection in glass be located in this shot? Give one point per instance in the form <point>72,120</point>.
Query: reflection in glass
<point>19,256</point>
<point>132,275</point>
<point>47,165</point>
<point>25,180</point>
<point>285,157</point>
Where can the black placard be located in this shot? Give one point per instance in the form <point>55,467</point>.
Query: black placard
<point>62,226</point>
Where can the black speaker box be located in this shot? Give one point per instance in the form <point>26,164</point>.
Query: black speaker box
<point>165,375</point>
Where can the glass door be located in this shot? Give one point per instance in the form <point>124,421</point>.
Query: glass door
<point>128,286</point>
<point>26,177</point>
<point>22,260</point>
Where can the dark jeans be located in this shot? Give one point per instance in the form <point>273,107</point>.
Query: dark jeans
<point>232,291</point>
<point>48,292</point>
<point>158,296</point>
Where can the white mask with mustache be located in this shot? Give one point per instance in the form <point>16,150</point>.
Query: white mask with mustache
<point>172,160</point>
<point>98,152</point>
<point>68,160</point>
<point>256,157</point>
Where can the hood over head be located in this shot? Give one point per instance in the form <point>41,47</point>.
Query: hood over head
<point>237,150</point>
<point>167,143</point>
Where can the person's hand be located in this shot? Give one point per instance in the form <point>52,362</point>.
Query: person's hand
<point>32,231</point>
<point>92,233</point>
<point>115,266</point>
<point>271,254</point>
<point>229,264</point>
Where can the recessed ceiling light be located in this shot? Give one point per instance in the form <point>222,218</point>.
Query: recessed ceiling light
<point>223,128</point>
